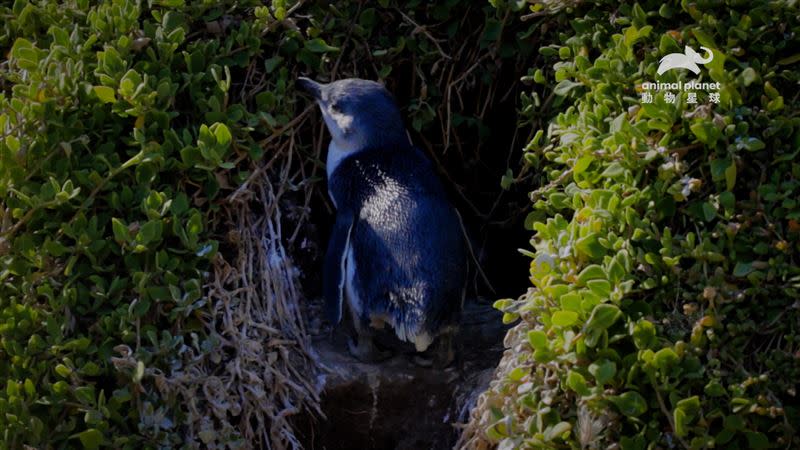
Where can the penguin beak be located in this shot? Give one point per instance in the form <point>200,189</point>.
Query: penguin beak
<point>310,86</point>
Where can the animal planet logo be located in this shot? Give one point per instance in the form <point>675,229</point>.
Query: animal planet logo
<point>689,59</point>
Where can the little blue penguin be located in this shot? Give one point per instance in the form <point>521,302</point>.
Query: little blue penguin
<point>397,254</point>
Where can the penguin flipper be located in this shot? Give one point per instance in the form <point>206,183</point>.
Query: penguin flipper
<point>335,273</point>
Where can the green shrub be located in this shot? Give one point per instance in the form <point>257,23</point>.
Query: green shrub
<point>665,272</point>
<point>125,127</point>
<point>117,132</point>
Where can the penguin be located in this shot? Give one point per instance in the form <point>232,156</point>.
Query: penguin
<point>397,254</point>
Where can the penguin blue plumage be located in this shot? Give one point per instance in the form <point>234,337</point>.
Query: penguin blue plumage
<point>397,255</point>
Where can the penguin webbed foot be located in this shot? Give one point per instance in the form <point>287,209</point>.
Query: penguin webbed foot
<point>438,357</point>
<point>365,350</point>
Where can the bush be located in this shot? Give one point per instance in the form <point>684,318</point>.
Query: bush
<point>120,133</point>
<point>150,154</point>
<point>663,311</point>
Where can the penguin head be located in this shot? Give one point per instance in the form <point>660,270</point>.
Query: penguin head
<point>359,114</point>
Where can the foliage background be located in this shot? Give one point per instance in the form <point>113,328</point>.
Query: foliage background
<point>158,174</point>
<point>664,307</point>
<point>158,178</point>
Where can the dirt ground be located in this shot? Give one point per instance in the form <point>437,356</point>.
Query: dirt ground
<point>396,404</point>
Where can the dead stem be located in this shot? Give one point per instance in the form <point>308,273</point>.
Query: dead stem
<point>260,371</point>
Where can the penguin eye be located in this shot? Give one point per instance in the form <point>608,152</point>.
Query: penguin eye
<point>336,108</point>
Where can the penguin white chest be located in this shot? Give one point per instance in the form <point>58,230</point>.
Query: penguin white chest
<point>336,153</point>
<point>350,291</point>
<point>335,156</point>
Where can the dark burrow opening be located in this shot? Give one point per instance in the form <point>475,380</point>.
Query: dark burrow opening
<point>396,404</point>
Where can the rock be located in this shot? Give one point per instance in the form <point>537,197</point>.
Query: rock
<point>396,404</point>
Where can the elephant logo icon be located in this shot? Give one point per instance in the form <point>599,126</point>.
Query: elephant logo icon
<point>689,59</point>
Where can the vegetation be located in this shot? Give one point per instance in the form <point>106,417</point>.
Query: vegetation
<point>665,271</point>
<point>156,169</point>
<point>121,137</point>
<point>157,172</point>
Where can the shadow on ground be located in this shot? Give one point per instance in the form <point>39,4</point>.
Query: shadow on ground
<point>396,404</point>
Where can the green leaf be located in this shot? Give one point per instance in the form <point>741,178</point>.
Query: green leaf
<point>751,144</point>
<point>644,334</point>
<point>603,371</point>
<point>571,301</point>
<point>757,440</point>
<point>742,269</point>
<point>272,63</point>
<point>318,45</point>
<point>630,403</point>
<point>614,169</point>
<point>150,232</point>
<point>77,344</point>
<point>681,421</point>
<point>90,369</point>
<point>129,84</point>
<point>105,94</point>
<point>222,134</point>
<point>543,356</point>
<point>589,246</point>
<point>564,318</point>
<point>727,200</point>
<point>691,406</point>
<point>665,359</point>
<point>510,317</point>
<point>491,30</point>
<point>556,431</point>
<point>775,105</point>
<point>538,77</point>
<point>709,212</point>
<point>91,438</point>
<point>502,303</point>
<point>603,316</point>
<point>577,383</point>
<point>26,54</point>
<point>121,233</point>
<point>60,387</point>
<point>518,374</point>
<point>638,441</point>
<point>591,272</point>
<point>537,339</point>
<point>630,35</point>
<point>789,60</point>
<point>29,387</point>
<point>63,370</point>
<point>730,177</point>
<point>714,389</point>
<point>723,437</point>
<point>601,288</point>
<point>705,132</point>
<point>507,180</point>
<point>558,200</point>
<point>749,76</point>
<point>139,373</point>
<point>565,86</point>
<point>368,18</point>
<point>207,436</point>
<point>582,164</point>
<point>718,167</point>
<point>13,143</point>
<point>734,422</point>
<point>85,395</point>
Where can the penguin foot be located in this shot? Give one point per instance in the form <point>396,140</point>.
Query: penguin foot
<point>440,356</point>
<point>365,350</point>
<point>422,361</point>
